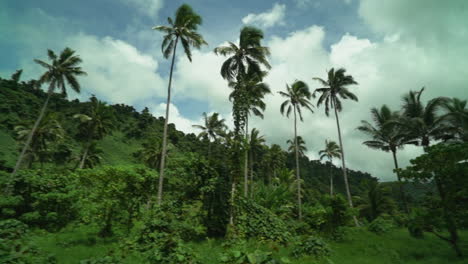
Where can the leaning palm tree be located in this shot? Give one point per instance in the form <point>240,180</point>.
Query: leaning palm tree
<point>387,136</point>
<point>182,28</point>
<point>211,129</point>
<point>63,70</point>
<point>298,97</point>
<point>332,150</point>
<point>334,88</point>
<point>422,121</point>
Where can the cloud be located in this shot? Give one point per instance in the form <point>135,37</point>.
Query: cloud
<point>181,123</point>
<point>274,16</point>
<point>147,7</point>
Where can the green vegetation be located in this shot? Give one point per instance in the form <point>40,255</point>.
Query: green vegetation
<point>82,182</point>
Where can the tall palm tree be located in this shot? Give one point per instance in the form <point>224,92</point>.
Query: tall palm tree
<point>211,129</point>
<point>332,150</point>
<point>301,146</point>
<point>62,70</point>
<point>251,88</point>
<point>334,89</point>
<point>256,145</point>
<point>387,135</point>
<point>297,97</point>
<point>422,121</point>
<point>184,28</point>
<point>47,131</point>
<point>98,122</point>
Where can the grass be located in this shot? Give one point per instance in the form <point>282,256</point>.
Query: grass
<point>118,149</point>
<point>363,247</point>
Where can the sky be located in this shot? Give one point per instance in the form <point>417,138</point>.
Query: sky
<point>389,46</point>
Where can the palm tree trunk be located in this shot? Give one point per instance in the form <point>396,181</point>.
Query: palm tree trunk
<point>400,184</point>
<point>164,145</point>
<point>246,157</point>
<point>85,155</point>
<point>345,176</point>
<point>251,174</point>
<point>231,211</point>
<point>331,178</point>
<point>298,177</point>
<point>31,135</point>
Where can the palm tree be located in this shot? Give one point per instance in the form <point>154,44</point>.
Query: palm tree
<point>252,90</point>
<point>47,131</point>
<point>421,120</point>
<point>256,145</point>
<point>377,200</point>
<point>150,153</point>
<point>334,88</point>
<point>276,159</point>
<point>456,117</point>
<point>301,146</point>
<point>183,28</point>
<point>63,70</point>
<point>332,150</point>
<point>298,96</point>
<point>387,135</point>
<point>94,125</point>
<point>92,157</point>
<point>212,128</point>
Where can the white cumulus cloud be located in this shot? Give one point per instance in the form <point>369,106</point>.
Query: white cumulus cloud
<point>274,16</point>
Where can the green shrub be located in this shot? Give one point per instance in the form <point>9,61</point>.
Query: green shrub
<point>381,225</point>
<point>103,260</point>
<point>242,255</point>
<point>312,246</point>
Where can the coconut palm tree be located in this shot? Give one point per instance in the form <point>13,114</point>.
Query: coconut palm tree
<point>334,89</point>
<point>387,135</point>
<point>301,146</point>
<point>332,150</point>
<point>251,88</point>
<point>150,153</point>
<point>62,70</point>
<point>182,28</point>
<point>256,145</point>
<point>297,97</point>
<point>47,131</point>
<point>98,122</point>
<point>212,128</point>
<point>422,121</point>
<point>276,160</point>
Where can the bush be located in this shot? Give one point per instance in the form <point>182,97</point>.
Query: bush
<point>312,246</point>
<point>103,260</point>
<point>242,255</point>
<point>381,225</point>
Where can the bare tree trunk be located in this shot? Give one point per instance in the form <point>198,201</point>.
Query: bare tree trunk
<point>85,155</point>
<point>166,120</point>
<point>246,157</point>
<point>348,192</point>
<point>231,211</point>
<point>298,177</point>
<point>251,175</point>
<point>400,184</point>
<point>331,178</point>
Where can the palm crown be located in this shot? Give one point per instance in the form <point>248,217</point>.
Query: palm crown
<point>254,89</point>
<point>298,95</point>
<point>248,56</point>
<point>63,69</point>
<point>213,126</point>
<point>183,28</point>
<point>332,150</point>
<point>301,148</point>
<point>335,88</point>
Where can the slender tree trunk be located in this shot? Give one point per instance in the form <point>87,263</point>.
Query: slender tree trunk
<point>231,211</point>
<point>251,175</point>
<point>31,134</point>
<point>331,178</point>
<point>246,157</point>
<point>400,184</point>
<point>298,177</point>
<point>166,120</point>
<point>85,155</point>
<point>345,176</point>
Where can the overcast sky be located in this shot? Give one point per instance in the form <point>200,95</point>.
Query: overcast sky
<point>389,46</point>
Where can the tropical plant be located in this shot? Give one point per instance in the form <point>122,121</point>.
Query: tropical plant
<point>63,69</point>
<point>297,97</point>
<point>332,150</point>
<point>211,129</point>
<point>98,122</point>
<point>376,200</point>
<point>301,146</point>
<point>275,158</point>
<point>456,117</point>
<point>387,136</point>
<point>256,146</point>
<point>422,121</point>
<point>184,28</point>
<point>334,89</point>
